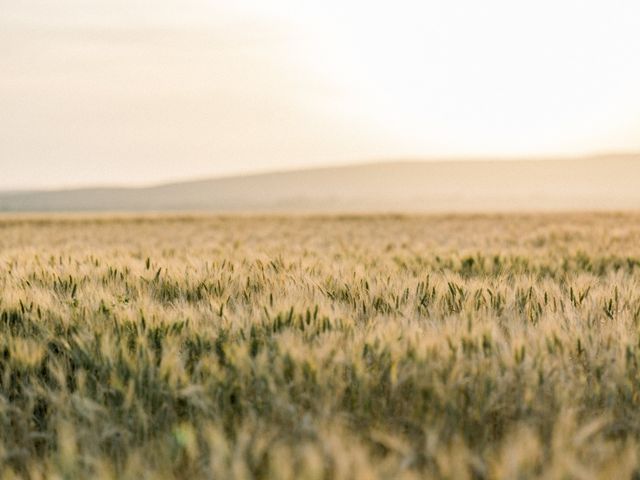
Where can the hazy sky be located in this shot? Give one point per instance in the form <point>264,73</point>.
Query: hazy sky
<point>139,91</point>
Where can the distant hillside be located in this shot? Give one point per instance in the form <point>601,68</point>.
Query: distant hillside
<point>596,183</point>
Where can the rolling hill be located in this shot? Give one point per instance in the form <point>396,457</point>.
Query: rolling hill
<point>594,183</point>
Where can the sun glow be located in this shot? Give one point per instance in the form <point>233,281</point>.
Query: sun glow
<point>483,78</point>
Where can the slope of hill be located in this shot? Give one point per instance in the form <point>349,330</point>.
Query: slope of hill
<point>595,183</point>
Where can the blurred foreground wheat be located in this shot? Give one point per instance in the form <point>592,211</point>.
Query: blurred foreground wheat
<point>320,348</point>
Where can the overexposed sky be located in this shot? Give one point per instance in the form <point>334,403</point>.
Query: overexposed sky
<point>144,91</point>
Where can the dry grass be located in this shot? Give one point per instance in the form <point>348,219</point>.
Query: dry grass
<point>320,348</point>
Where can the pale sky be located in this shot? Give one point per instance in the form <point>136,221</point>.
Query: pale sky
<point>145,91</point>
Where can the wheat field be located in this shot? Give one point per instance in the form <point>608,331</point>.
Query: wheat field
<point>322,347</point>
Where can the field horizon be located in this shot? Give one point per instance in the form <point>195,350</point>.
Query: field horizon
<point>599,182</point>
